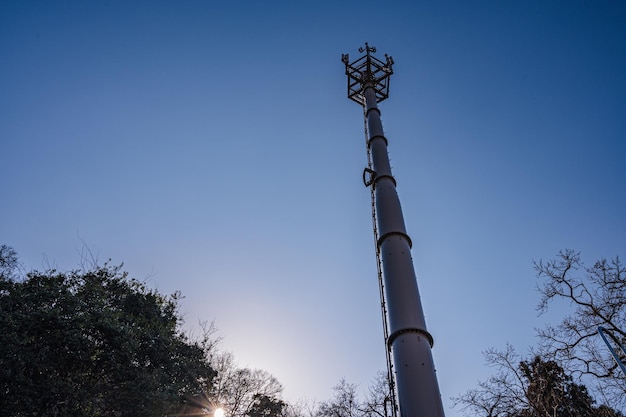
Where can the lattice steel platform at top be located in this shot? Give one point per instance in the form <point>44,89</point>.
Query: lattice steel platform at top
<point>368,70</point>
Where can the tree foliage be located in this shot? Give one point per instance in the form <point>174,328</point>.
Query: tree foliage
<point>243,391</point>
<point>266,406</point>
<point>529,388</point>
<point>569,352</point>
<point>8,263</point>
<point>343,404</point>
<point>598,295</point>
<point>346,401</point>
<point>92,343</point>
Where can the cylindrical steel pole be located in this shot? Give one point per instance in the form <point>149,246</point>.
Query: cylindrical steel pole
<point>409,341</point>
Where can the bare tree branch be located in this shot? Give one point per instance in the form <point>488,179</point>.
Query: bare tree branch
<point>598,295</point>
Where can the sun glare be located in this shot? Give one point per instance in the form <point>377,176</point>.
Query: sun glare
<point>219,412</point>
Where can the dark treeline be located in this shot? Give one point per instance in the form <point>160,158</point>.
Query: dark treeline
<point>96,342</point>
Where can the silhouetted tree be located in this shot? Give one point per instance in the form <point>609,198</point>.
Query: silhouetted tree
<point>8,263</point>
<point>347,403</point>
<point>92,343</point>
<point>552,393</point>
<point>535,388</point>
<point>243,391</point>
<point>264,406</point>
<point>598,295</point>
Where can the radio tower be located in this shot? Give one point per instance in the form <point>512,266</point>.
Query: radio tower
<point>411,370</point>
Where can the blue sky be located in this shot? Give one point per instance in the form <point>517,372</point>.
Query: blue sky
<point>210,146</point>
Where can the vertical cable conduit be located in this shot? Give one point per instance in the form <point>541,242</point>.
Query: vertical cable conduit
<point>381,288</point>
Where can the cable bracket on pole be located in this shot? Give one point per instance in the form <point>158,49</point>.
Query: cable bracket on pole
<point>369,176</point>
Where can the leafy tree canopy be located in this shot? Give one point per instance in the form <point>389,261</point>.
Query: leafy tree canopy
<point>529,388</point>
<point>92,343</point>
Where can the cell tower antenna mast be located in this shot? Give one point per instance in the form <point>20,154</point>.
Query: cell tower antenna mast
<point>411,368</point>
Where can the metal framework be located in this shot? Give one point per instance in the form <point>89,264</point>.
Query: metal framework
<point>368,68</point>
<point>411,372</point>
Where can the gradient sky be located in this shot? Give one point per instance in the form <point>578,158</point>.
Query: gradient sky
<point>210,146</point>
